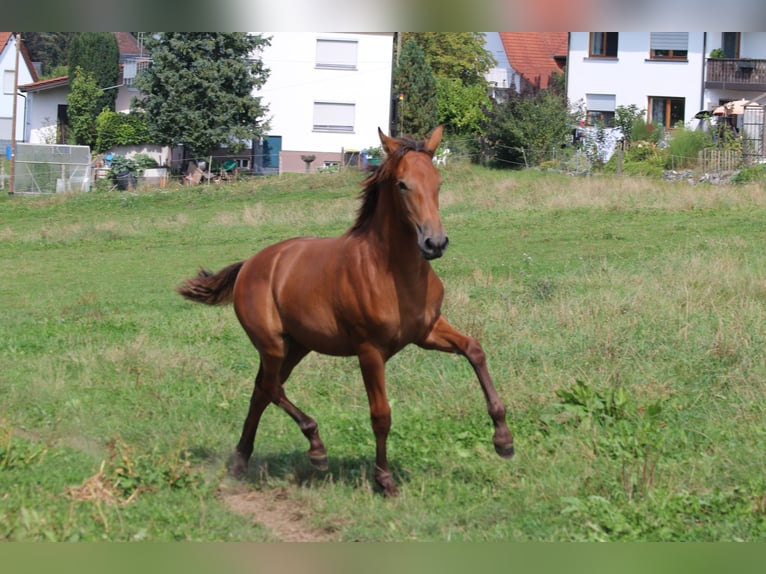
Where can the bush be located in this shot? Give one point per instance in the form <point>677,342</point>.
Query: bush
<point>114,129</point>
<point>641,131</point>
<point>685,146</point>
<point>643,158</point>
<point>751,174</point>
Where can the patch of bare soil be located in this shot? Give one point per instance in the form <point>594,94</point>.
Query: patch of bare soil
<point>287,519</point>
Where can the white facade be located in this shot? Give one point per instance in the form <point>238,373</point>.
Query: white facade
<point>633,77</point>
<point>327,93</point>
<point>41,120</point>
<point>8,67</point>
<point>503,75</point>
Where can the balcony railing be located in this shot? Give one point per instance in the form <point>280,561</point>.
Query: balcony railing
<point>736,74</point>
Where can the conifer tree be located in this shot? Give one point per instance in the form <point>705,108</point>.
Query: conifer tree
<point>199,88</point>
<point>415,85</point>
<point>98,55</point>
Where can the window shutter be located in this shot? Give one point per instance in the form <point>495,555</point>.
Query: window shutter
<point>336,53</point>
<point>332,116</point>
<point>669,40</point>
<point>600,102</point>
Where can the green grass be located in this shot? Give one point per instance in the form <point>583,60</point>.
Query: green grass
<point>623,320</point>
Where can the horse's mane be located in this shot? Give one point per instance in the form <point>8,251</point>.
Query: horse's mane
<point>379,176</point>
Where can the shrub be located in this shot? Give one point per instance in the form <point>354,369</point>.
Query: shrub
<point>751,174</point>
<point>113,129</point>
<point>641,131</point>
<point>643,158</point>
<point>685,146</point>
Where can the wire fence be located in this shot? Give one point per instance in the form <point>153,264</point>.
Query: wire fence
<point>575,159</point>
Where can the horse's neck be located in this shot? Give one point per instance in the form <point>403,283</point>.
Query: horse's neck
<point>393,237</point>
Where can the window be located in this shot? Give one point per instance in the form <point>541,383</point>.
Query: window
<point>666,112</point>
<point>9,81</point>
<point>600,110</point>
<point>334,117</point>
<point>603,45</point>
<point>336,54</point>
<point>669,45</point>
<point>730,44</point>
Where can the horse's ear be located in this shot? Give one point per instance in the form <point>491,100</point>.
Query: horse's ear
<point>390,145</point>
<point>434,139</point>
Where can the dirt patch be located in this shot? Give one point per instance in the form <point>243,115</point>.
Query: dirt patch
<point>288,520</point>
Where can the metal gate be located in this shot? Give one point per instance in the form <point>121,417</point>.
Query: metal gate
<point>753,134</point>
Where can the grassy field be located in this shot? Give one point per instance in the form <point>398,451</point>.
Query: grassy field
<point>624,322</point>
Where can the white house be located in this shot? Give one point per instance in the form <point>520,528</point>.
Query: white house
<point>670,75</point>
<point>660,72</point>
<point>26,74</point>
<point>327,94</point>
<point>45,120</point>
<point>525,60</point>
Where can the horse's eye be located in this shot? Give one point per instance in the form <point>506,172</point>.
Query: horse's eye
<point>402,186</point>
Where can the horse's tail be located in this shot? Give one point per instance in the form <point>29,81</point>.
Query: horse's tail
<point>209,288</point>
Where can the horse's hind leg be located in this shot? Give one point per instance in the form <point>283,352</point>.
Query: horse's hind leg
<point>268,389</point>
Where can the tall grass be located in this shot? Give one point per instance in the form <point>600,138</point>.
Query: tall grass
<point>623,320</point>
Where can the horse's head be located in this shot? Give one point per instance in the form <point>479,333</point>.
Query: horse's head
<point>418,182</point>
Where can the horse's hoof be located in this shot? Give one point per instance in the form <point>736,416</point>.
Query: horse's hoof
<point>238,467</point>
<point>319,462</point>
<point>505,451</point>
<point>386,482</point>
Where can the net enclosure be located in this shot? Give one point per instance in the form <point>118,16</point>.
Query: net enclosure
<point>46,168</point>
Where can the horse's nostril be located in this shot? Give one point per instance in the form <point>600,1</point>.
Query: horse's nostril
<point>429,243</point>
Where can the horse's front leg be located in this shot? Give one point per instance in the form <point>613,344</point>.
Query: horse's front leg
<point>444,337</point>
<point>372,364</point>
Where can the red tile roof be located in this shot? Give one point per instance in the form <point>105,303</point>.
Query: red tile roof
<point>536,55</point>
<point>45,84</point>
<point>127,43</point>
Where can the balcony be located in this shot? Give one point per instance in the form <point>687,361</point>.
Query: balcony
<point>735,74</point>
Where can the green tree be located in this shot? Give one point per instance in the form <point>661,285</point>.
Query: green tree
<point>455,55</point>
<point>524,130</point>
<point>51,49</point>
<point>459,62</point>
<point>462,109</point>
<point>199,89</point>
<point>414,81</point>
<point>98,54</point>
<point>82,107</point>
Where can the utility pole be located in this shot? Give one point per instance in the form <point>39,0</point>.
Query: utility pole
<point>12,180</point>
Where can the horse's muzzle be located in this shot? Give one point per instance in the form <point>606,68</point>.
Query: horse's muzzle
<point>434,248</point>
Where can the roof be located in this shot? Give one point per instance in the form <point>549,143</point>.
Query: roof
<point>125,40</point>
<point>536,55</point>
<point>128,44</point>
<point>45,84</point>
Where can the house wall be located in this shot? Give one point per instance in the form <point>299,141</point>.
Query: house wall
<point>41,118</point>
<point>503,74</point>
<point>295,83</point>
<point>8,64</point>
<point>632,77</point>
<point>125,95</point>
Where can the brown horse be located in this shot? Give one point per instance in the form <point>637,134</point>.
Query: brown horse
<point>369,293</point>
